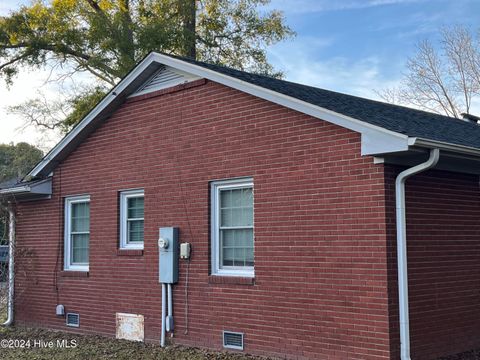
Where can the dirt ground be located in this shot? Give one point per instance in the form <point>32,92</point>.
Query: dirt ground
<point>36,344</point>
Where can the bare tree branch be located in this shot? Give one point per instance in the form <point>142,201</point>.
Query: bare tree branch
<point>444,79</point>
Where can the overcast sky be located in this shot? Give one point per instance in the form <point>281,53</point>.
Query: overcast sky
<point>351,46</point>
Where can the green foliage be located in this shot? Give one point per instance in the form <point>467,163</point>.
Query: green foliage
<point>234,33</point>
<point>107,38</point>
<point>17,160</point>
<point>81,105</point>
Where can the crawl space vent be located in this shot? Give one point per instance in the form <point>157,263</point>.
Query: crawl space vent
<point>73,320</point>
<point>232,340</point>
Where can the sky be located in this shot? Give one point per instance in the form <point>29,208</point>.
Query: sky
<point>350,46</point>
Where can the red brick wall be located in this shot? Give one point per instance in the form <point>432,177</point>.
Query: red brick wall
<point>320,288</point>
<point>443,232</point>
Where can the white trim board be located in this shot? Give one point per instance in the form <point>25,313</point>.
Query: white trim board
<point>375,139</point>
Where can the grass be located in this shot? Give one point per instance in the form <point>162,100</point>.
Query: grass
<point>95,347</point>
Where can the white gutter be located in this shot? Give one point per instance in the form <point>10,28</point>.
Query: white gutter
<point>402,249</point>
<point>432,144</point>
<point>11,262</point>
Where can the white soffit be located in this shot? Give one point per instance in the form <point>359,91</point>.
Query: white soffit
<point>164,78</point>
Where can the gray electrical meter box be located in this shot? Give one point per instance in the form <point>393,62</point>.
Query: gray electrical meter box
<point>168,255</point>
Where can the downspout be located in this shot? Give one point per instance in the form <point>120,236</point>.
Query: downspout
<point>11,262</point>
<point>402,249</point>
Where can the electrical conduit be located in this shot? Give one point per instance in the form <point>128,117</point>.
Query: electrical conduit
<point>169,325</point>
<point>164,310</point>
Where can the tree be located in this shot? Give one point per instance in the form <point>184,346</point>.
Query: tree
<point>17,160</point>
<point>106,38</point>
<point>444,80</point>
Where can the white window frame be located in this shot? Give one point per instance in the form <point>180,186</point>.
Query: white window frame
<point>124,196</point>
<point>216,187</point>
<point>68,266</point>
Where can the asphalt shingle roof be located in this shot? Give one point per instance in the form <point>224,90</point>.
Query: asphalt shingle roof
<point>411,122</point>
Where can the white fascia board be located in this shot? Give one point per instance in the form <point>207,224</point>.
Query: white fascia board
<point>20,189</point>
<point>43,187</point>
<point>119,88</point>
<point>432,144</point>
<point>376,140</point>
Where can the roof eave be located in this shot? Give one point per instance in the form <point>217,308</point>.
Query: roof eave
<point>431,144</point>
<point>375,140</point>
<point>38,190</point>
<point>394,141</point>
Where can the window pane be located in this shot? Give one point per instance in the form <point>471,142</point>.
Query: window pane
<point>225,198</point>
<point>237,247</point>
<point>80,244</point>
<point>247,216</point>
<point>226,217</point>
<point>237,197</point>
<point>244,238</point>
<point>135,230</point>
<point>247,197</point>
<point>236,207</point>
<point>228,238</point>
<point>81,209</point>
<point>239,257</point>
<point>228,256</point>
<point>135,208</point>
<point>249,256</point>
<point>80,217</point>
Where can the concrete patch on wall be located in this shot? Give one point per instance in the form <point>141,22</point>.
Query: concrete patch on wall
<point>130,327</point>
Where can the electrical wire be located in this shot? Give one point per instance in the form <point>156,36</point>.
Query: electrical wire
<point>185,209</point>
<point>186,297</point>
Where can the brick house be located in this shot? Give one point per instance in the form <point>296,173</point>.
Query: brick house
<point>287,195</point>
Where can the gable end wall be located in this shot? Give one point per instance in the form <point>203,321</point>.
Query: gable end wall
<point>320,288</point>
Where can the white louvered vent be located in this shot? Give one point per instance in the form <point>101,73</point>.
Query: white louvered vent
<point>73,319</point>
<point>232,340</point>
<point>165,77</point>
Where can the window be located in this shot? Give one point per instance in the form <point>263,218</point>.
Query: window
<point>131,219</point>
<point>77,232</point>
<point>232,227</point>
